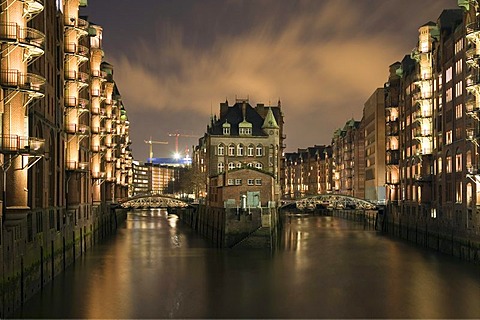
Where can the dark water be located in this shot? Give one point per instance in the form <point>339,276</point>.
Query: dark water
<point>155,267</point>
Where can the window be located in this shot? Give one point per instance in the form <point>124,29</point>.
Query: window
<point>458,111</point>
<point>231,150</point>
<point>458,67</point>
<point>259,165</point>
<point>238,182</point>
<point>221,150</point>
<point>231,166</point>
<point>259,150</point>
<point>448,137</point>
<point>258,182</point>
<point>458,88</point>
<point>250,182</point>
<point>239,165</point>
<point>231,182</point>
<point>221,167</point>
<point>448,75</point>
<point>448,95</point>
<point>448,160</point>
<point>240,150</point>
<point>250,151</point>
<point>226,130</point>
<point>458,161</point>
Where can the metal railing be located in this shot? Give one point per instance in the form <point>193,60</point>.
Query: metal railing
<point>12,32</point>
<point>77,49</point>
<point>22,81</point>
<point>77,166</point>
<point>20,144</point>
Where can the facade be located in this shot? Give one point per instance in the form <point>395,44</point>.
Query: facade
<point>64,142</point>
<point>307,172</point>
<point>374,126</point>
<point>242,137</point>
<point>348,165</point>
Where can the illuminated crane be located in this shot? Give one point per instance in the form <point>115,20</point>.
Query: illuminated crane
<point>176,135</point>
<point>151,142</point>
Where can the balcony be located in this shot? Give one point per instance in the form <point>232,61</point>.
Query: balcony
<point>80,77</point>
<point>99,74</point>
<point>30,39</point>
<point>79,51</point>
<point>14,144</point>
<point>472,57</point>
<point>392,128</point>
<point>472,82</point>
<point>473,31</point>
<point>422,177</point>
<point>77,166</point>
<point>419,134</point>
<point>98,130</point>
<point>98,149</point>
<point>98,175</point>
<point>80,103</point>
<point>392,157</point>
<point>77,129</point>
<point>77,24</point>
<point>32,7</point>
<point>98,112</point>
<point>26,82</point>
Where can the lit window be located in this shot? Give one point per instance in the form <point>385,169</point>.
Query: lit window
<point>448,137</point>
<point>231,150</point>
<point>250,182</point>
<point>221,167</point>
<point>221,150</point>
<point>458,111</point>
<point>258,182</point>
<point>238,182</point>
<point>231,182</point>
<point>259,150</point>
<point>240,150</point>
<point>258,165</point>
<point>250,151</point>
<point>231,166</point>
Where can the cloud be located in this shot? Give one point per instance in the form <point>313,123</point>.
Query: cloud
<point>321,58</point>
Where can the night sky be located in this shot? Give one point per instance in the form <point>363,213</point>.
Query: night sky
<point>176,60</point>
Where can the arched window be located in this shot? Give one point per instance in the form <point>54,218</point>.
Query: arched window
<point>231,150</point>
<point>240,150</point>
<point>250,150</point>
<point>239,165</point>
<point>221,167</point>
<point>448,160</point>
<point>259,150</point>
<point>458,160</point>
<point>259,165</point>
<point>221,150</point>
<point>231,165</point>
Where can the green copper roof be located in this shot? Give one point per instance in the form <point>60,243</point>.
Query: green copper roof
<point>270,121</point>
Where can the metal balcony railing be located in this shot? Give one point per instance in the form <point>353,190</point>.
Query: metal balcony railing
<point>78,24</point>
<point>77,166</point>
<point>393,157</point>
<point>73,102</point>
<point>27,82</point>
<point>98,175</point>
<point>80,77</point>
<point>422,177</point>
<point>77,50</point>
<point>78,129</point>
<point>473,28</point>
<point>32,7</point>
<point>22,145</point>
<point>472,81</point>
<point>24,36</point>
<point>99,74</point>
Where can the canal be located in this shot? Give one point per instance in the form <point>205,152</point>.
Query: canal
<point>156,267</point>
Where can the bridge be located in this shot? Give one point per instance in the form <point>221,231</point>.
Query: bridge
<point>331,201</point>
<point>152,201</point>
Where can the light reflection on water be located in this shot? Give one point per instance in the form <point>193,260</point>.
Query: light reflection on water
<point>156,267</point>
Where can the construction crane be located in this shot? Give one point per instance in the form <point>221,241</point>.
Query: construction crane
<point>176,135</point>
<point>151,142</point>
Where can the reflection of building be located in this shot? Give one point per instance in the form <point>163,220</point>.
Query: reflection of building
<point>64,141</point>
<point>242,137</point>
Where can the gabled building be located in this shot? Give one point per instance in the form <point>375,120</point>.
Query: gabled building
<point>242,137</point>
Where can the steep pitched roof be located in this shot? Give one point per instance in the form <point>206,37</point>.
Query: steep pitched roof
<point>235,115</point>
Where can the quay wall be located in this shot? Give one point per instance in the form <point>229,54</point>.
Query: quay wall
<point>233,227</point>
<point>30,261</point>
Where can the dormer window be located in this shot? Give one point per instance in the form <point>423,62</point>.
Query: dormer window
<point>226,128</point>
<point>245,128</point>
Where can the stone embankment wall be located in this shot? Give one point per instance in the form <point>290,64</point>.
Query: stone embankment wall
<point>27,266</point>
<point>232,227</point>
